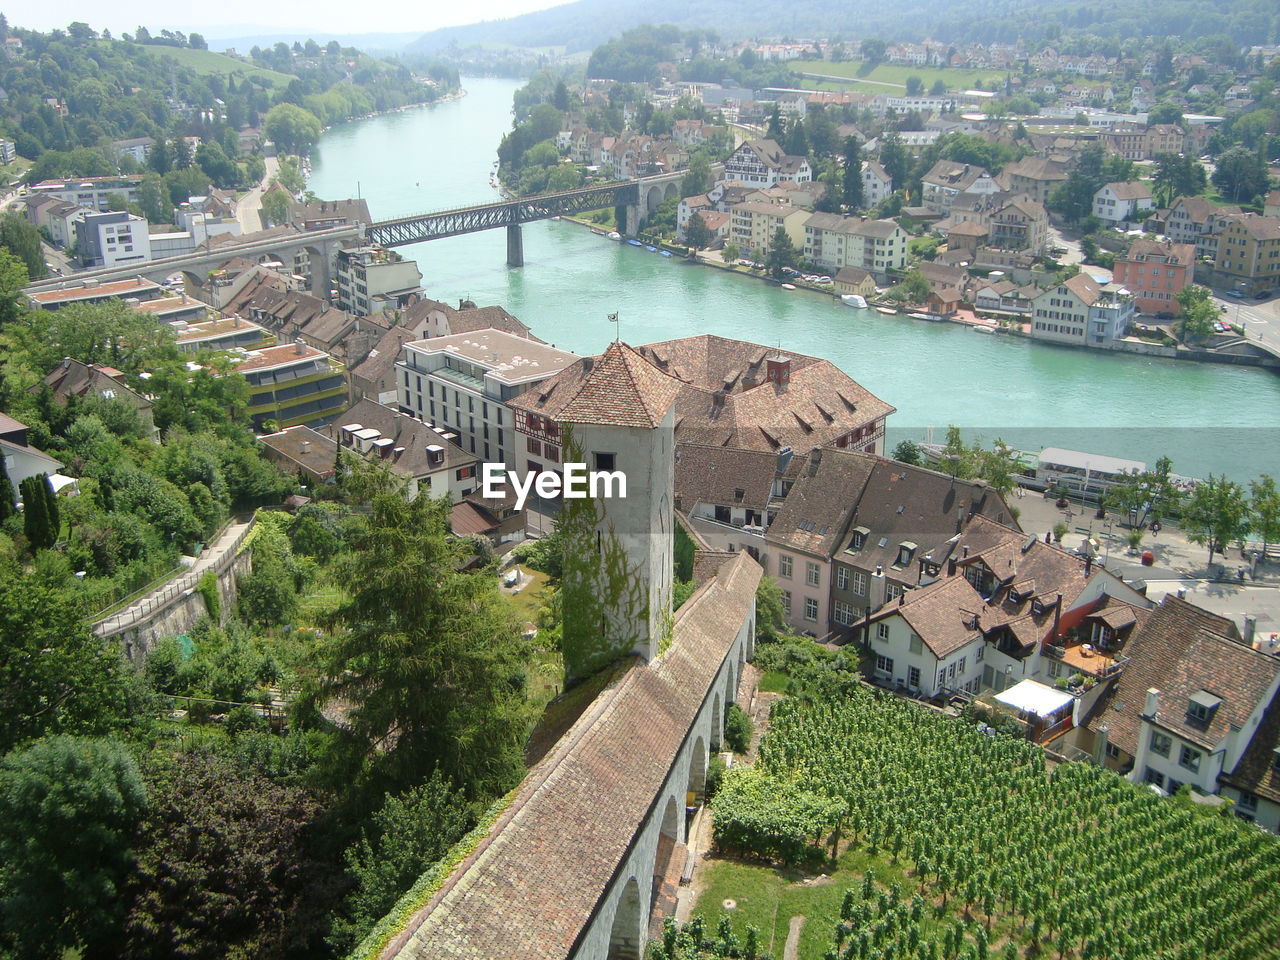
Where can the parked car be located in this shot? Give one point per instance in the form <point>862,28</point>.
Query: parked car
<point>1235,293</point>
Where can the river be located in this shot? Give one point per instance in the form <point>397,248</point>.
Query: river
<point>1207,418</point>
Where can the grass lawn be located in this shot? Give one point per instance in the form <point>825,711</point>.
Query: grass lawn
<point>773,681</point>
<point>891,78</point>
<point>529,599</point>
<point>208,63</point>
<point>767,897</point>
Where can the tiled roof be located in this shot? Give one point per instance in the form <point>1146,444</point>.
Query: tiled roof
<point>1130,190</point>
<point>1260,228</point>
<point>851,275</point>
<point>816,512</point>
<point>305,447</point>
<point>411,435</point>
<point>1257,771</point>
<point>471,319</point>
<point>381,360</point>
<point>467,519</point>
<point>1183,254</point>
<point>534,882</point>
<point>710,474</point>
<point>945,615</point>
<point>71,378</point>
<point>1037,168</point>
<point>968,228</point>
<point>622,389</point>
<point>1155,653</point>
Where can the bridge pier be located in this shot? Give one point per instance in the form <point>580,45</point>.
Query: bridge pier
<point>632,226</point>
<point>515,245</point>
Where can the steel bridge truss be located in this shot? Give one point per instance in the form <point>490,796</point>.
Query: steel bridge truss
<point>510,213</point>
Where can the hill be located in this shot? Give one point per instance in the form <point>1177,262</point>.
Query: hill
<point>588,23</point>
<point>206,63</point>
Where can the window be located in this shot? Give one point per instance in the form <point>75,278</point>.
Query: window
<point>1190,759</point>
<point>892,591</point>
<point>884,664</point>
<point>1154,776</point>
<point>842,578</point>
<point>882,630</point>
<point>534,446</point>
<point>844,614</point>
<point>981,649</point>
<point>951,672</point>
<point>784,566</point>
<point>465,473</point>
<point>812,574</point>
<point>915,644</point>
<point>1248,801</point>
<point>961,665</point>
<point>552,453</point>
<point>786,601</point>
<point>606,461</point>
<point>859,583</point>
<point>913,677</point>
<point>810,609</point>
<point>1113,751</point>
<point>942,677</point>
<point>1172,785</point>
<point>1160,743</point>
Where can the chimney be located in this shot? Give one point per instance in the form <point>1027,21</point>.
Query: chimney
<point>1088,565</point>
<point>778,370</point>
<point>1250,628</point>
<point>298,346</point>
<point>964,552</point>
<point>306,446</point>
<point>1057,617</point>
<point>951,566</point>
<point>902,598</point>
<point>784,459</point>
<point>1100,742</point>
<point>1152,705</point>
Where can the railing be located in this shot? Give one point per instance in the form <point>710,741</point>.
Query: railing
<point>116,623</point>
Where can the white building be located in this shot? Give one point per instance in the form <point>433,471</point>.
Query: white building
<point>112,239</point>
<point>877,185</point>
<point>762,162</point>
<point>92,192</point>
<point>21,460</point>
<point>463,383</point>
<point>373,279</point>
<point>835,242</point>
<point>1123,202</point>
<point>1083,312</point>
<point>136,148</point>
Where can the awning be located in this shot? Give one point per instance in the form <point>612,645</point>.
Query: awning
<point>1033,697</point>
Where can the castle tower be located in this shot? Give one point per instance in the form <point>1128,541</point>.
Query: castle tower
<point>619,550</point>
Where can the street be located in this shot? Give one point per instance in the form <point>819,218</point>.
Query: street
<point>1259,318</point>
<point>247,209</point>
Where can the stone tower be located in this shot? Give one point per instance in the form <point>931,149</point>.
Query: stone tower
<point>618,571</point>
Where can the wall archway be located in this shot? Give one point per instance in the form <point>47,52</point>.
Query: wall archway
<point>717,721</point>
<point>696,781</point>
<point>626,935</point>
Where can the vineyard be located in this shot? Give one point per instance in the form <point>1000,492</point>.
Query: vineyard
<point>979,851</point>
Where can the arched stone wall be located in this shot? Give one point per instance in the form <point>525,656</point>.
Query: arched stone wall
<point>626,934</point>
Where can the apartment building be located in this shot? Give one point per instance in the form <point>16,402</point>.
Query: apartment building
<point>763,163</point>
<point>91,192</point>
<point>836,242</point>
<point>948,178</point>
<point>1155,273</point>
<point>113,239</point>
<point>293,383</point>
<point>373,279</point>
<point>465,383</point>
<point>1123,202</point>
<point>1082,311</point>
<point>1248,254</point>
<point>752,225</point>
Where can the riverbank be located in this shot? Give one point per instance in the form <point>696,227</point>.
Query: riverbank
<point>447,98</point>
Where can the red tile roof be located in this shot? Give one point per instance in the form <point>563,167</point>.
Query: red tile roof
<point>622,389</point>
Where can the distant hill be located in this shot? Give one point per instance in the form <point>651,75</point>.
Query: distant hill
<point>587,23</point>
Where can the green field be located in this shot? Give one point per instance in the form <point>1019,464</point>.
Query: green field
<point>890,78</point>
<point>208,64</point>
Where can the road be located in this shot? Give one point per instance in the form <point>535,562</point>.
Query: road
<point>248,206</point>
<point>1259,318</point>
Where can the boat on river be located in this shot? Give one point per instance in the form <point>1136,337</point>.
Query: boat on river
<point>635,243</point>
<point>983,329</point>
<point>650,247</point>
<point>788,286</point>
<point>853,300</point>
<point>887,311</point>
<point>615,235</point>
<point>666,253</point>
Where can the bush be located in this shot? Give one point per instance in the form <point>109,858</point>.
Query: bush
<point>715,774</point>
<point>208,590</point>
<point>737,729</point>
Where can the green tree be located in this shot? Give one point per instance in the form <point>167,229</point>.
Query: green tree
<point>1240,174</point>
<point>153,198</point>
<point>895,159</point>
<point>23,241</point>
<point>275,205</point>
<point>915,86</point>
<point>292,128</point>
<point>1198,312</point>
<point>1177,175</point>
<point>852,173</point>
<point>561,97</point>
<point>13,277</point>
<point>410,832</point>
<point>730,252</point>
<point>8,498</point>
<point>782,253</point>
<point>697,178</point>
<point>774,130</point>
<point>428,654</point>
<point>222,867</point>
<point>1264,510</point>
<point>914,288</point>
<point>36,523</point>
<point>269,595</point>
<point>874,50</point>
<point>908,452</point>
<point>696,234</point>
<point>1216,514</point>
<point>71,805</point>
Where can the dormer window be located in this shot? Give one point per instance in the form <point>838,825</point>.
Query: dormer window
<point>860,535</point>
<point>906,550</point>
<point>1201,706</point>
<point>1037,607</point>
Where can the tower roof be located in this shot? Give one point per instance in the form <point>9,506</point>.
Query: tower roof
<point>623,389</point>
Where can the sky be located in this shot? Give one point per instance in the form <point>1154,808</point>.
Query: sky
<point>244,17</point>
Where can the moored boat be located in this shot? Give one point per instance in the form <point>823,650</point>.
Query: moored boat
<point>615,235</point>
<point>853,300</point>
<point>788,286</point>
<point>887,311</point>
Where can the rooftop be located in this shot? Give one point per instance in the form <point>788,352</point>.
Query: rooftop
<point>506,357</point>
<point>90,290</point>
<point>281,355</point>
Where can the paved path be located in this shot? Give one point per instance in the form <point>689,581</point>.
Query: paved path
<point>249,204</point>
<point>792,949</point>
<point>210,557</point>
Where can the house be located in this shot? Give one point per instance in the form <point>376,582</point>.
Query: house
<point>372,280</point>
<point>1248,254</point>
<point>96,193</point>
<point>1271,207</point>
<point>1019,224</point>
<point>967,235</point>
<point>855,280</point>
<point>91,291</point>
<point>1164,138</point>
<point>1037,177</point>
<point>220,333</point>
<point>877,185</point>
<point>293,383</point>
<point>1082,311</point>
<point>1155,273</point>
<point>836,242</point>
<point>300,451</point>
<point>717,225</point>
<point>73,379</point>
<point>1005,296</point>
<point>323,214</point>
<point>136,148</point>
<point>691,205</point>
<point>1195,220</point>
<point>411,448</point>
<point>855,531</point>
<point>753,225</point>
<point>758,162</point>
<point>1124,202</point>
<point>730,496</point>
<point>21,460</point>
<point>947,178</point>
<point>112,239</point>
<point>497,520</point>
<point>466,382</point>
<point>943,301</point>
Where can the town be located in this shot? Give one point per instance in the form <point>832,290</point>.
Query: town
<point>345,615</point>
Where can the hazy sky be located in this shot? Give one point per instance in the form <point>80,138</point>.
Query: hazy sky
<point>234,17</point>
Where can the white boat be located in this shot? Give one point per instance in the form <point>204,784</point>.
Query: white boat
<point>788,286</point>
<point>887,311</point>
<point>853,300</point>
<point>984,329</point>
<point>615,235</point>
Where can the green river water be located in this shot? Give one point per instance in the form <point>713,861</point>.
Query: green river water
<point>1208,418</point>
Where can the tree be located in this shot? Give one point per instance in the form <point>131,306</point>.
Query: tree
<point>269,595</point>
<point>696,234</point>
<point>410,832</point>
<point>697,178</point>
<point>197,42</point>
<point>1216,514</point>
<point>1240,175</point>
<point>153,198</point>
<point>895,159</point>
<point>1198,312</point>
<point>36,523</point>
<point>915,86</point>
<point>1177,175</point>
<point>160,159</point>
<point>23,241</point>
<point>182,156</point>
<point>874,50</point>
<point>914,288</point>
<point>774,130</point>
<point>292,128</point>
<point>8,499</point>
<point>730,252</point>
<point>427,654</point>
<point>852,174</point>
<point>561,97</point>
<point>938,89</point>
<point>1164,113</point>
<point>782,253</point>
<point>908,452</point>
<point>13,277</point>
<point>1264,510</point>
<point>71,805</point>
<point>275,205</point>
<point>222,865</point>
